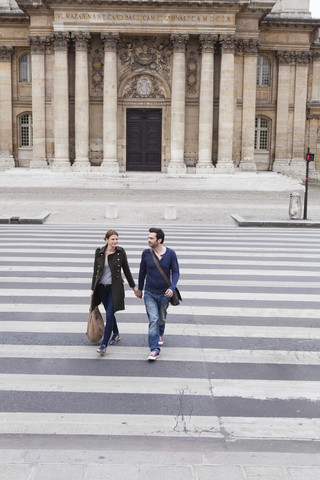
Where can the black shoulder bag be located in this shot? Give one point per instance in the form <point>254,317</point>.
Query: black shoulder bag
<point>176,297</point>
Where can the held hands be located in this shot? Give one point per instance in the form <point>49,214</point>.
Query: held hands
<point>168,293</point>
<point>138,293</point>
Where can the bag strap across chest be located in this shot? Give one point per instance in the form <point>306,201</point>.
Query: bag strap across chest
<point>159,267</point>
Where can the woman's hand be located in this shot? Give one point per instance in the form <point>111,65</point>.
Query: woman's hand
<point>138,293</point>
<point>91,293</point>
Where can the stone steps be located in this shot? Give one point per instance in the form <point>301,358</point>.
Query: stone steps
<point>239,181</point>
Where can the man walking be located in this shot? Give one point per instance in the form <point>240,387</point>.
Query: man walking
<point>157,292</point>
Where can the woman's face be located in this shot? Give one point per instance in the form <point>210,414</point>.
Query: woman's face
<point>112,241</point>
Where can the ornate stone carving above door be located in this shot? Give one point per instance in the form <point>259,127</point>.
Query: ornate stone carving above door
<point>143,86</point>
<point>144,54</point>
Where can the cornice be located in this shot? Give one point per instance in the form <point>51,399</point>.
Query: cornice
<point>211,3</point>
<point>279,22</point>
<point>14,17</point>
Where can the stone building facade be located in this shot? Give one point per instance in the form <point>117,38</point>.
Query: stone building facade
<point>150,85</point>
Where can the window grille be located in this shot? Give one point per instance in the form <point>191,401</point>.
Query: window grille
<point>25,68</point>
<point>263,72</point>
<point>26,130</point>
<point>261,134</point>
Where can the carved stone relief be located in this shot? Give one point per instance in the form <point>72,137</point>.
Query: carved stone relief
<point>192,67</point>
<point>38,44</point>
<point>144,86</point>
<point>144,55</point>
<point>96,67</point>
<point>294,58</point>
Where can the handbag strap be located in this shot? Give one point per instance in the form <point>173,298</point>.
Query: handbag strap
<point>159,268</point>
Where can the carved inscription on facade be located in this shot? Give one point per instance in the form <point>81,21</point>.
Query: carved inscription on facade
<point>144,18</point>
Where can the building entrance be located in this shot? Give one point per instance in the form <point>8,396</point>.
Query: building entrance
<point>144,139</point>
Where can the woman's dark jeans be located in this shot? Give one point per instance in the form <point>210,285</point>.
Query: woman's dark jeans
<point>105,293</point>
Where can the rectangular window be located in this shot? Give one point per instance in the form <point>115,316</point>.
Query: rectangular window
<point>26,131</point>
<point>261,134</point>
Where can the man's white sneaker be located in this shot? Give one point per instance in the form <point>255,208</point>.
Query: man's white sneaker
<point>161,341</point>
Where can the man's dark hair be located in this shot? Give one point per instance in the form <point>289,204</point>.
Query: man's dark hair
<point>159,233</point>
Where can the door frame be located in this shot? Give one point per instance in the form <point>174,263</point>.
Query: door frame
<point>160,110</point>
<point>164,105</point>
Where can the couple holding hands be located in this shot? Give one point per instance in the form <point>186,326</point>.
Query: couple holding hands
<point>107,286</point>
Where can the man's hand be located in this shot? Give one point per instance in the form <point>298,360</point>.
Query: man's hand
<point>168,293</point>
<point>138,293</point>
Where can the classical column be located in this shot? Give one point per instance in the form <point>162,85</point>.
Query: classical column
<point>110,104</point>
<point>302,61</point>
<point>226,101</point>
<point>6,153</point>
<point>61,101</point>
<point>281,161</point>
<point>315,96</point>
<point>39,157</point>
<point>81,114</point>
<point>205,165</point>
<point>178,94</point>
<point>250,51</point>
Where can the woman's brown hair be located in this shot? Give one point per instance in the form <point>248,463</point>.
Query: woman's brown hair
<point>110,233</point>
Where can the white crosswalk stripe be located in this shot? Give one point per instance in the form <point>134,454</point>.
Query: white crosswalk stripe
<point>241,354</point>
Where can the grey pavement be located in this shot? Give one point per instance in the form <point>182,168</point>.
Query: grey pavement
<point>30,464</point>
<point>141,198</point>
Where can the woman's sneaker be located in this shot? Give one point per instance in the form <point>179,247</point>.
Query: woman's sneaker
<point>114,339</point>
<point>102,349</point>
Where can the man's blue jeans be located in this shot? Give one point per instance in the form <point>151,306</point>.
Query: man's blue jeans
<point>156,307</point>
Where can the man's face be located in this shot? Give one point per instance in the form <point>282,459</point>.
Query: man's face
<point>152,240</point>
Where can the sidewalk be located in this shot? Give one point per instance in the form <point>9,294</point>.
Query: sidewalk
<point>145,465</point>
<point>141,198</point>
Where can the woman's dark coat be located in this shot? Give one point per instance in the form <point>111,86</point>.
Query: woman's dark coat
<point>116,261</point>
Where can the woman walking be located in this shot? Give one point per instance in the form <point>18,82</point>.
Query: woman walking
<point>107,284</point>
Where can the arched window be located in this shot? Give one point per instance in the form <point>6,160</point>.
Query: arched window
<point>262,134</point>
<point>25,68</point>
<point>263,72</point>
<point>25,130</point>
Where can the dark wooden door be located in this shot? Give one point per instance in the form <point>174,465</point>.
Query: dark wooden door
<point>144,139</point>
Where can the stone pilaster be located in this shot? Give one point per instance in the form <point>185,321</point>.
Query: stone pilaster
<point>39,157</point>
<point>281,161</point>
<point>204,165</point>
<point>110,104</point>
<point>302,60</point>
<point>178,92</point>
<point>226,105</point>
<point>250,51</point>
<point>82,162</point>
<point>6,152</point>
<point>61,101</point>
<point>315,96</point>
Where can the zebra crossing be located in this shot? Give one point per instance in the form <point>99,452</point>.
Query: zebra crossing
<point>241,355</point>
